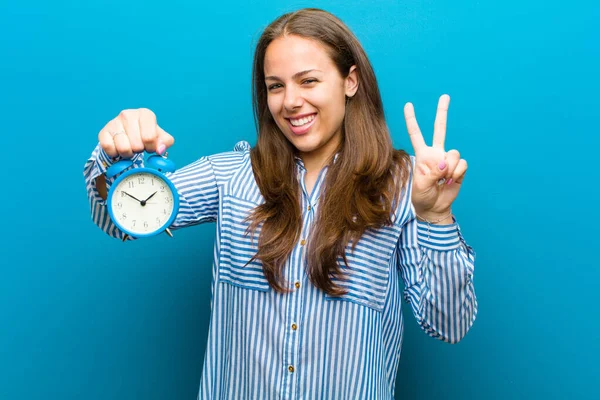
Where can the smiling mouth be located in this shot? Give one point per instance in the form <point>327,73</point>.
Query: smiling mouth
<point>300,126</point>
<point>302,121</point>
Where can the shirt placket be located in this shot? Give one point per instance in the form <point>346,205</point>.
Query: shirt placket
<point>298,280</point>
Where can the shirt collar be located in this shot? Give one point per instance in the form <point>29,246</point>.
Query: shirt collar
<point>300,162</point>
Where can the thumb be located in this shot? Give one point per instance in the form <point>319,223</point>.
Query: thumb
<point>165,140</point>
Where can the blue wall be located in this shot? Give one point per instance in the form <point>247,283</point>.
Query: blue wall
<point>83,316</point>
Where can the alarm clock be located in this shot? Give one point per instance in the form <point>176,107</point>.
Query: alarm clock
<point>143,201</point>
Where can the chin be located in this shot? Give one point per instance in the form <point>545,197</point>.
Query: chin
<point>304,144</point>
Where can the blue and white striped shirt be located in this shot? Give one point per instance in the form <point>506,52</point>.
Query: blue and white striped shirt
<point>307,344</point>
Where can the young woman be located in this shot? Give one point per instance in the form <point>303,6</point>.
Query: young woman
<point>316,224</point>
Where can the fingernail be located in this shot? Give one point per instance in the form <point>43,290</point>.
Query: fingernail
<point>442,165</point>
<point>449,182</point>
<point>161,148</point>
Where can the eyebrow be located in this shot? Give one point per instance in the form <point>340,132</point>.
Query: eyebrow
<point>295,76</point>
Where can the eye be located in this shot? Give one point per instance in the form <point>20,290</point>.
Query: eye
<point>309,81</point>
<point>274,86</point>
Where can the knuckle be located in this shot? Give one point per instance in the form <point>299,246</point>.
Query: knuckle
<point>148,142</point>
<point>149,135</point>
<point>137,147</point>
<point>127,115</point>
<point>111,151</point>
<point>120,147</point>
<point>104,143</point>
<point>146,113</point>
<point>125,152</point>
<point>103,134</point>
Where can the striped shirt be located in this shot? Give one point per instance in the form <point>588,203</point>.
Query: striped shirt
<point>307,344</point>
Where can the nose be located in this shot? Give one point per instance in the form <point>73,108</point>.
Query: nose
<point>293,98</point>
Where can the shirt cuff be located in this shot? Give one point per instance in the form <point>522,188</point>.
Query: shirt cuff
<point>438,237</point>
<point>104,161</point>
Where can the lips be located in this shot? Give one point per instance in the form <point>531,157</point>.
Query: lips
<point>300,130</point>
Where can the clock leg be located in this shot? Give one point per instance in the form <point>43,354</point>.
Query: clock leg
<point>169,232</point>
<point>125,237</point>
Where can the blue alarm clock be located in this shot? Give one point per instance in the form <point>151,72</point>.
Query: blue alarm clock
<point>143,201</point>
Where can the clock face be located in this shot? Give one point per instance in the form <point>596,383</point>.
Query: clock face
<point>142,203</point>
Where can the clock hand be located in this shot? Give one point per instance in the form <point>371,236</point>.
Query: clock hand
<point>132,196</point>
<point>150,196</point>
<point>143,202</point>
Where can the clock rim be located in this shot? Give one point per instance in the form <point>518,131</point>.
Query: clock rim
<point>158,174</point>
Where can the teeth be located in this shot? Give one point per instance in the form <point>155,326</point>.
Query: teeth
<point>302,121</point>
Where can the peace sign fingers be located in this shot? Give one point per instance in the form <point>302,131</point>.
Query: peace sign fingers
<point>433,165</point>
<point>439,130</point>
<point>441,117</point>
<point>416,137</point>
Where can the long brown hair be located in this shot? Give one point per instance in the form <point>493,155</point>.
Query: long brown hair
<point>368,173</point>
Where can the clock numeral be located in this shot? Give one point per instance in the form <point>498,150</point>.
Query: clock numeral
<point>122,194</point>
<point>119,205</point>
<point>131,185</point>
<point>162,188</point>
<point>124,216</point>
<point>165,211</point>
<point>145,224</point>
<point>167,200</point>
<point>158,221</point>
<point>141,180</point>
<point>152,182</point>
<point>133,222</point>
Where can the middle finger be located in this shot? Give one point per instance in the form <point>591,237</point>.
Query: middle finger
<point>130,122</point>
<point>441,117</point>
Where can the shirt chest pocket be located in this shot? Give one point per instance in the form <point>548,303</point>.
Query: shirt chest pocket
<point>237,247</point>
<point>366,278</point>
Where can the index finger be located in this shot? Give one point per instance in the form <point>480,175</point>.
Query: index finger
<point>441,117</point>
<point>105,137</point>
<point>416,138</point>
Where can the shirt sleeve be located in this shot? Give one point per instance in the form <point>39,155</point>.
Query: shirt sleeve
<point>195,184</point>
<point>437,265</point>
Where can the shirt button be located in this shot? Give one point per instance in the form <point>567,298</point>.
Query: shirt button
<point>308,208</point>
<point>302,242</point>
<point>297,284</point>
<point>294,327</point>
<point>291,368</point>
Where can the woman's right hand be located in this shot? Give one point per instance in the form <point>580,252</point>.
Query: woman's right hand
<point>134,131</point>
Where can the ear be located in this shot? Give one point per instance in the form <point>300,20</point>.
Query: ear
<point>351,82</point>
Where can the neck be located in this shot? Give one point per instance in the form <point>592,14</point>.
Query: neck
<point>314,161</point>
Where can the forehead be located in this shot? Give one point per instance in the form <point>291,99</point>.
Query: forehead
<point>289,54</point>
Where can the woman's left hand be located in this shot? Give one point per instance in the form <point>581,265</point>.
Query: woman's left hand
<point>438,174</point>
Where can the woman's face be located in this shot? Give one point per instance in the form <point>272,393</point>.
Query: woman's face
<point>306,94</point>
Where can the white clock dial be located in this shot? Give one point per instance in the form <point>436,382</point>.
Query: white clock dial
<point>142,203</point>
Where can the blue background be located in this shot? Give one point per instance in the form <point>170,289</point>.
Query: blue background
<point>83,316</point>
